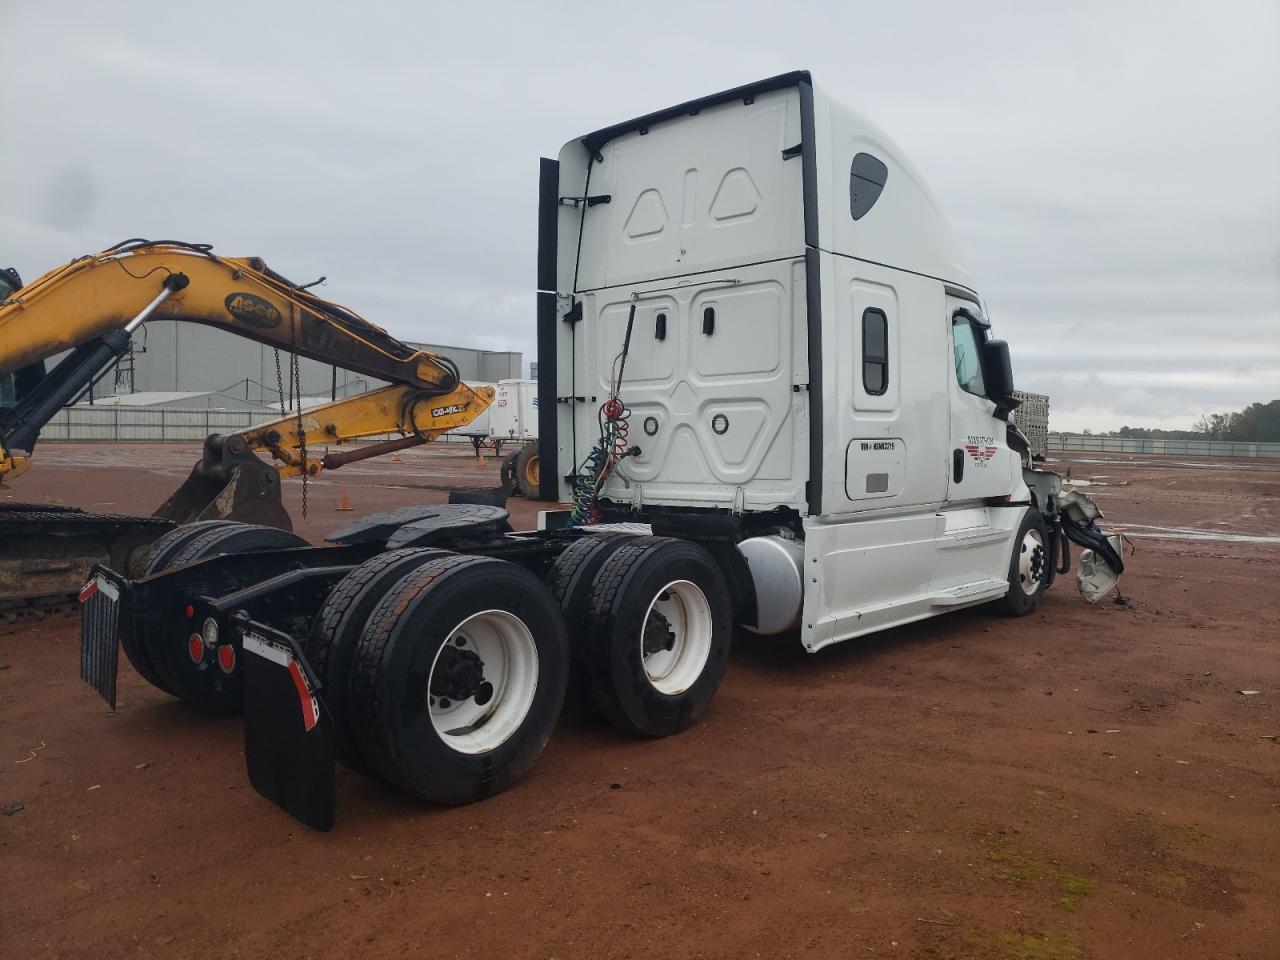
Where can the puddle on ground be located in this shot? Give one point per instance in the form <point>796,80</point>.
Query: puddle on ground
<point>1263,464</point>
<point>1146,531</point>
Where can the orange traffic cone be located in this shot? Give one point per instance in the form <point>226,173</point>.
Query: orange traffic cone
<point>344,501</point>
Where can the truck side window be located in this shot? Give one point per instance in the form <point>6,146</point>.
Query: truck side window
<point>867,177</point>
<point>968,354</point>
<point>875,351</point>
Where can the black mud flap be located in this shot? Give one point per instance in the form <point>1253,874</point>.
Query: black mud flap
<point>100,632</point>
<point>288,731</point>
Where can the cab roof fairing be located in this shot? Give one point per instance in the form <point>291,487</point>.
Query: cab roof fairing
<point>905,229</point>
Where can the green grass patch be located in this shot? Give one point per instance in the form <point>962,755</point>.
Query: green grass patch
<point>1022,869</point>
<point>1192,834</point>
<point>1077,885</point>
<point>1038,946</point>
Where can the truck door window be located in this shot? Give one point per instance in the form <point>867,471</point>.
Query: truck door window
<point>968,354</point>
<point>875,352</point>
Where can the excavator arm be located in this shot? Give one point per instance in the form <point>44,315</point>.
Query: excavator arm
<point>93,304</point>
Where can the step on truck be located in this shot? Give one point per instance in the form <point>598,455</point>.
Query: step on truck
<point>770,396</point>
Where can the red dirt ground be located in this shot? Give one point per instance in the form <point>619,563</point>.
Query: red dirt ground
<point>1085,783</point>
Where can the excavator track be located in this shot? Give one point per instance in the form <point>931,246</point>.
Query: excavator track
<point>48,550</point>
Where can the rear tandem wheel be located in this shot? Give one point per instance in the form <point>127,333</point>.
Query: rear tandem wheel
<point>657,635</point>
<point>570,580</point>
<point>458,678</point>
<point>187,663</point>
<point>137,648</point>
<point>335,632</point>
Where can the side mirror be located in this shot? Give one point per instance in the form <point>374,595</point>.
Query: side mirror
<point>997,370</point>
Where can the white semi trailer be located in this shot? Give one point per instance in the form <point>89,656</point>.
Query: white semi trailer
<point>512,418</point>
<point>768,388</point>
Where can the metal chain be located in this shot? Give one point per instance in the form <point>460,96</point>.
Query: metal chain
<point>279,382</point>
<point>295,369</point>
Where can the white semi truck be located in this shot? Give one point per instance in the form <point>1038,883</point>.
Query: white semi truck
<point>764,289</point>
<point>768,389</point>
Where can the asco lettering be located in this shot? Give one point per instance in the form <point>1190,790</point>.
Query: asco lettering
<point>252,310</point>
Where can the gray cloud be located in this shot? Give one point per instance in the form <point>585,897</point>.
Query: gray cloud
<point>1111,168</point>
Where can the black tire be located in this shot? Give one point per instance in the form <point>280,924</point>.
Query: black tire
<point>569,581</point>
<point>393,674</point>
<point>204,685</point>
<point>529,470</point>
<point>137,645</point>
<point>335,632</point>
<point>1021,599</point>
<point>629,582</point>
<point>508,474</point>
<point>157,556</point>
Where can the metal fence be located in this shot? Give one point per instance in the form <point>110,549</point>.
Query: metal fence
<point>163,424</point>
<point>109,423</point>
<point>135,423</point>
<point>1181,448</point>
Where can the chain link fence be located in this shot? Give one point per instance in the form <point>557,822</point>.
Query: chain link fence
<point>108,424</point>
<point>1180,448</point>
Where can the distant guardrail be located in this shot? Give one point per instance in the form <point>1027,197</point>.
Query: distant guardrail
<point>109,424</point>
<point>1181,448</point>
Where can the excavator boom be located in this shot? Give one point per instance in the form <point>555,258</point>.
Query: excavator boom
<point>89,308</point>
<point>92,296</point>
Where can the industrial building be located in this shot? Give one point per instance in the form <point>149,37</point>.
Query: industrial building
<point>168,357</point>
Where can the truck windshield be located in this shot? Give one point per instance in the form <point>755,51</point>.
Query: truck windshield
<point>967,343</point>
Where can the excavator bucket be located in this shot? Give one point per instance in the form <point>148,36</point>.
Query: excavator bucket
<point>229,483</point>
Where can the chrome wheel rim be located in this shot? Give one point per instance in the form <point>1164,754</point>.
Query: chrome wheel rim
<point>1031,559</point>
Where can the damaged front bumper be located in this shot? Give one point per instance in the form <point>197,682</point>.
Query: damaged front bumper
<point>1072,518</point>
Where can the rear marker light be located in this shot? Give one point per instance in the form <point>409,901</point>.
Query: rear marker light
<point>195,648</point>
<point>227,658</point>
<point>191,612</point>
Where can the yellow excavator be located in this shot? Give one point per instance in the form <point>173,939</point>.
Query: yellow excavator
<point>88,309</point>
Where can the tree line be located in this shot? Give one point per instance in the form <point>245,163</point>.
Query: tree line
<point>1256,423</point>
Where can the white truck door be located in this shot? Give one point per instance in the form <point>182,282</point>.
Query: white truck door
<point>980,461</point>
<point>884,388</point>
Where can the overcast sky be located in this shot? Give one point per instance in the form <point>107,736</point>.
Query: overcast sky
<point>1113,169</point>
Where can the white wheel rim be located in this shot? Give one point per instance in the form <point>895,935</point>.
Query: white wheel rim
<point>1031,547</point>
<point>688,630</point>
<point>487,718</point>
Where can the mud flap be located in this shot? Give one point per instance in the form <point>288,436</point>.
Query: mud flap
<point>100,633</point>
<point>288,731</point>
